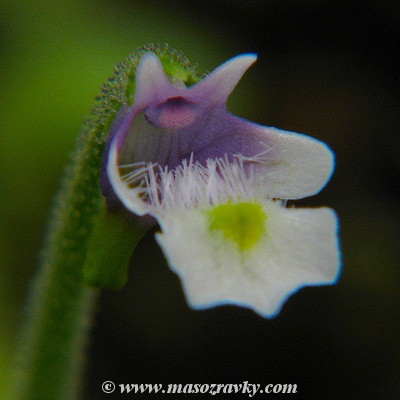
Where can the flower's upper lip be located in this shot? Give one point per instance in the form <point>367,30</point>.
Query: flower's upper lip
<point>153,86</point>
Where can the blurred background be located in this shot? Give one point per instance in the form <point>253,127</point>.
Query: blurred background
<point>325,68</point>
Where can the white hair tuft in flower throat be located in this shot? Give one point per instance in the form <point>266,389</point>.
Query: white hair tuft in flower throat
<point>190,184</point>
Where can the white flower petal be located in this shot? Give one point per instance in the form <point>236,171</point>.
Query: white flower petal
<point>129,197</point>
<point>299,247</point>
<point>299,167</point>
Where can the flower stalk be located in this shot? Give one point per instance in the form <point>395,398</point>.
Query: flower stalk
<point>60,306</point>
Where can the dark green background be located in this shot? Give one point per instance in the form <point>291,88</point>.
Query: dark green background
<point>326,68</point>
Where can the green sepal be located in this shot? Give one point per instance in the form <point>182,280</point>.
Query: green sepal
<point>113,239</point>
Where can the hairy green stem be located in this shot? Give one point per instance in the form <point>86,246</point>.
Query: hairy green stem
<point>60,305</point>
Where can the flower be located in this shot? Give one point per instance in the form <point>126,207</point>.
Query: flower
<point>209,178</point>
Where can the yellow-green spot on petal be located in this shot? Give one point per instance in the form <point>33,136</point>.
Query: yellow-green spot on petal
<point>242,223</point>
